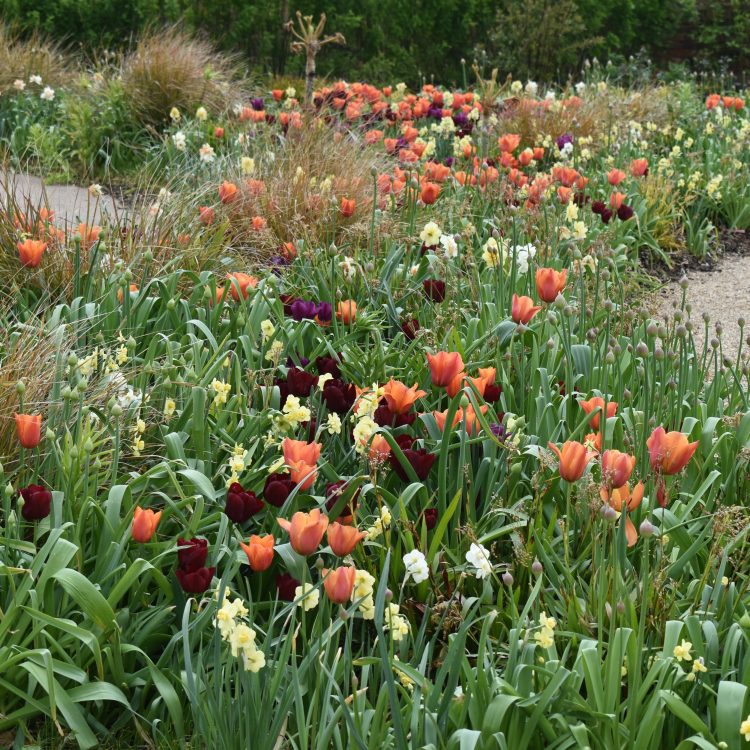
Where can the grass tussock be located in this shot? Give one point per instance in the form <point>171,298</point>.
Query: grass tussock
<point>22,58</point>
<point>169,68</point>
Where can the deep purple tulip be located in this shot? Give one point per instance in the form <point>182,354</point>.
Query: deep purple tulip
<point>324,312</point>
<point>277,489</point>
<point>241,504</point>
<point>430,517</point>
<point>410,328</point>
<point>257,104</point>
<point>563,139</point>
<point>300,383</point>
<point>302,309</point>
<point>327,366</point>
<point>195,581</point>
<point>434,289</point>
<point>625,212</point>
<point>285,585</point>
<point>193,554</point>
<point>37,501</point>
<point>339,396</point>
<point>598,207</point>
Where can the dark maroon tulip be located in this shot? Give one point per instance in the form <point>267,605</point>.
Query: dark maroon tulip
<point>277,489</point>
<point>410,328</point>
<point>334,491</point>
<point>625,212</point>
<point>299,382</point>
<point>241,504</point>
<point>36,502</point>
<point>419,459</point>
<point>303,309</point>
<point>339,396</point>
<point>606,215</point>
<point>434,289</point>
<point>430,517</point>
<point>492,393</point>
<point>598,207</point>
<point>285,585</point>
<point>287,300</point>
<point>327,366</point>
<point>195,581</point>
<point>283,387</point>
<point>193,554</point>
<point>384,417</point>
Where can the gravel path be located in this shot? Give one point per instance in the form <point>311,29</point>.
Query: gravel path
<point>723,294</point>
<point>71,204</point>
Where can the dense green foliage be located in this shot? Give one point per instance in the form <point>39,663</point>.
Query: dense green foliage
<point>428,38</point>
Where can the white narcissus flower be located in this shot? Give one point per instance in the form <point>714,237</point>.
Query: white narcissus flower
<point>479,557</point>
<point>35,79</point>
<point>207,154</point>
<point>416,566</point>
<point>179,140</point>
<point>19,85</point>
<point>430,235</point>
<point>48,94</point>
<point>450,246</point>
<point>201,114</point>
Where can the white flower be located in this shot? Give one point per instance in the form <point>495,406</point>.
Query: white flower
<point>566,150</point>
<point>291,92</point>
<point>19,85</point>
<point>450,246</point>
<point>35,79</point>
<point>523,253</point>
<point>531,88</point>
<point>48,94</point>
<point>333,424</point>
<point>348,267</point>
<point>430,235</point>
<point>201,114</point>
<point>207,153</point>
<point>95,189</point>
<point>580,87</point>
<point>416,566</point>
<point>179,140</point>
<point>478,556</point>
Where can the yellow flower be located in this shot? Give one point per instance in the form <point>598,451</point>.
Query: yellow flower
<point>307,595</point>
<point>169,407</point>
<point>745,729</point>
<point>544,638</point>
<point>682,651</point>
<point>699,666</point>
<point>547,622</point>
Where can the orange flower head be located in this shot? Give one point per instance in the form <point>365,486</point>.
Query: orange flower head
<point>430,193</point>
<point>132,288</point>
<point>596,404</point>
<point>243,281</point>
<point>144,524</point>
<point>616,468</point>
<point>227,192</point>
<point>347,207</point>
<point>299,450</point>
<point>574,458</point>
<point>305,530</point>
<point>509,142</point>
<point>623,499</point>
<point>379,450</point>
<point>441,417</point>
<point>259,223</point>
<point>593,441</point>
<point>339,583</point>
<point>259,551</point>
<point>550,283</point>
<point>669,452</point>
<point>615,176</point>
<point>343,539</point>
<point>399,397</point>
<point>346,311</point>
<point>29,429</point>
<point>303,474</point>
<point>616,200</point>
<point>444,366</point>
<point>30,252</point>
<point>523,309</point>
<point>88,234</point>
<point>639,167</point>
<point>473,425</point>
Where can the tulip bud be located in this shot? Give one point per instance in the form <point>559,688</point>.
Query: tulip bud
<point>464,401</point>
<point>88,446</point>
<point>49,434</point>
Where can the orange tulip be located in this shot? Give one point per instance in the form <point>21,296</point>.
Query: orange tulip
<point>508,142</point>
<point>616,468</point>
<point>441,417</point>
<point>144,524</point>
<point>259,551</point>
<point>549,283</point>
<point>131,289</point>
<point>305,530</point>
<point>616,200</point>
<point>573,459</point>
<point>379,450</point>
<point>29,429</point>
<point>615,176</point>
<point>523,309</point>
<point>88,234</point>
<point>347,207</point>
<point>339,583</point>
<point>346,311</point>
<point>303,474</point>
<point>299,450</point>
<point>472,419</point>
<point>639,167</point>
<point>669,452</point>
<point>30,252</point>
<point>343,539</point>
<point>623,500</point>
<point>593,441</point>
<point>227,192</point>
<point>259,223</point>
<point>399,397</point>
<point>430,192</point>
<point>597,403</point>
<point>444,366</point>
<point>243,281</point>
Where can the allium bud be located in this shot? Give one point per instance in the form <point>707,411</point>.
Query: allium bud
<point>646,528</point>
<point>507,579</point>
<point>536,567</point>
